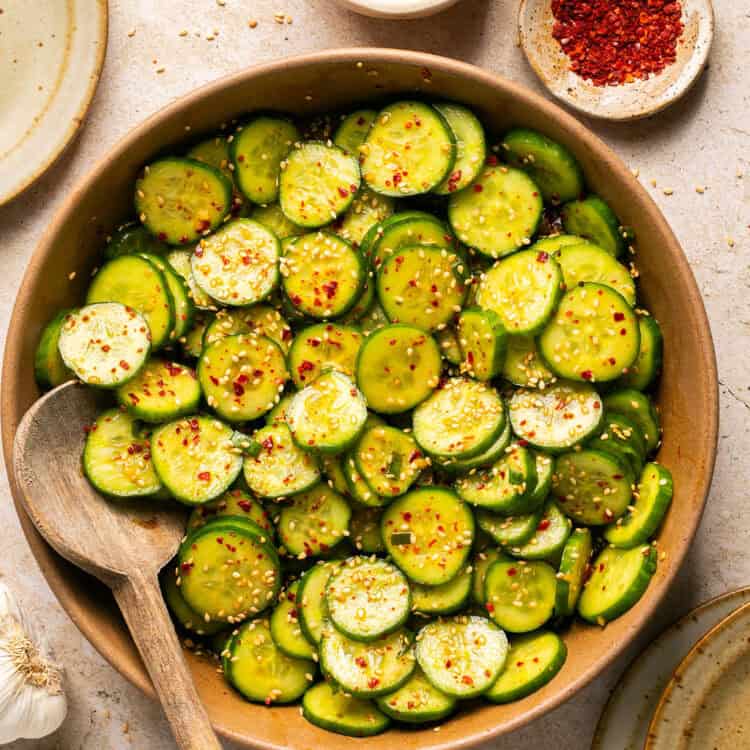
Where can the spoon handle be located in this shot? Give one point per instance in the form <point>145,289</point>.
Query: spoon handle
<point>142,605</point>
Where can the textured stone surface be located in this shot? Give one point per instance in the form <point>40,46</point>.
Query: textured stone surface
<point>702,141</point>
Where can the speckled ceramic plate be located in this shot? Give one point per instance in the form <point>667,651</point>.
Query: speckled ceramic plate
<point>52,55</point>
<point>625,720</point>
<point>705,705</point>
<point>630,101</point>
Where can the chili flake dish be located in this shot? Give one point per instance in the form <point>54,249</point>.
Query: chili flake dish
<point>402,380</point>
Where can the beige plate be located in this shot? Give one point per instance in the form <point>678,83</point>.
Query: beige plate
<point>627,102</point>
<point>335,80</point>
<point>52,55</point>
<point>401,9</point>
<point>624,722</point>
<point>705,705</point>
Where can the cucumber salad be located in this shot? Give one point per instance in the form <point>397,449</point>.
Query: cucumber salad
<point>398,369</point>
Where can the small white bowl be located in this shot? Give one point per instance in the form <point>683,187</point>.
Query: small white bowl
<point>397,8</point>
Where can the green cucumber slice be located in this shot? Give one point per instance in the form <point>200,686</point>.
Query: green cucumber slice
<point>417,701</point>
<point>488,457</point>
<point>509,531</point>
<point>49,368</point>
<point>548,537</point>
<point>374,319</point>
<point>405,229</point>
<point>273,218</point>
<point>622,438</point>
<point>552,243</point>
<point>180,260</point>
<point>285,628</point>
<point>364,304</point>
<point>574,566</point>
<point>356,485</point>
<point>234,502</point>
<point>523,366</point>
<point>262,320</point>
<point>277,415</point>
<point>181,611</point>
<point>311,599</point>
<point>184,309</point>
<point>480,565</point>
<point>444,599</point>
<point>593,219</point>
<point>330,708</point>
<point>638,408</point>
<point>322,347</point>
<point>364,530</point>
<point>353,130</point>
<point>471,148</point>
<point>643,372</point>
<point>482,339</point>
<point>192,341</point>
<point>587,262</point>
<point>447,339</point>
<point>367,210</point>
<point>545,466</point>
<point>130,238</point>
<point>214,152</point>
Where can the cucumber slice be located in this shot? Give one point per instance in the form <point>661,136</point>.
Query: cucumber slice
<point>214,152</point>
<point>409,150</point>
<point>136,283</point>
<point>374,319</point>
<point>482,340</point>
<point>364,530</point>
<point>488,457</point>
<point>322,347</point>
<point>397,368</point>
<point>547,162</point>
<point>593,219</point>
<point>280,468</point>
<point>471,148</point>
<point>257,150</point>
<point>520,595</point>
<point>509,531</point>
<point>322,275</point>
<point>405,229</point>
<point>552,243</point>
<point>185,616</point>
<point>647,366</point>
<point>262,320</point>
<point>459,420</point>
<point>622,438</point>
<point>242,376</point>
<point>592,336</point>
<point>131,238</point>
<point>258,669</point>
<point>228,571</point>
<point>652,500</point>
<point>49,368</point>
<point>357,487</point>
<point>105,344</point>
<point>523,290</point>
<point>533,660</point>
<point>367,598</point>
<point>619,579</point>
<point>419,285</point>
<point>334,473</point>
<point>480,565</point>
<point>428,533</point>
<point>444,599</point>
<point>234,502</point>
<point>523,366</point>
<point>367,670</point>
<point>192,341</point>
<point>353,130</point>
<point>506,487</point>
<point>574,566</point>
<point>181,200</point>
<point>272,217</point>
<point>311,599</point>
<point>417,701</point>
<point>317,184</point>
<point>367,210</point>
<point>638,409</point>
<point>592,487</point>
<point>462,656</point>
<point>558,417</point>
<point>499,213</point>
<point>313,522</point>
<point>184,309</point>
<point>328,415</point>
<point>587,262</point>
<point>117,457</point>
<point>239,264</point>
<point>330,708</point>
<point>447,339</point>
<point>180,262</point>
<point>277,415</point>
<point>545,466</point>
<point>160,392</point>
<point>548,538</point>
<point>388,460</point>
<point>365,302</point>
<point>285,628</point>
<point>195,458</point>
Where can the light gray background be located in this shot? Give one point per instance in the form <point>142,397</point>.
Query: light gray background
<point>704,140</point>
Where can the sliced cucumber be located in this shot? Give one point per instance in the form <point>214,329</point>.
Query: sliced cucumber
<point>105,344</point>
<point>486,458</point>
<point>444,599</point>
<point>332,466</point>
<point>523,290</point>
<point>593,336</point>
<point>181,263</point>
<point>272,217</point>
<point>533,660</point>
<point>480,565</point>
<point>410,149</point>
<point>242,376</point>
<point>277,415</point>
<point>214,152</point>
<point>195,458</point>
<point>285,628</point>
<point>558,417</point>
<point>405,229</point>
<point>322,347</point>
<point>388,460</point>
<point>593,219</point>
<point>638,408</point>
<point>471,148</point>
<point>330,708</point>
<point>49,368</point>
<point>374,319</point>
<point>192,341</point>
<point>553,242</point>
<point>592,487</point>
<point>181,611</point>
<point>574,566</point>
<point>132,237</point>
<point>397,368</point>
<point>509,531</point>
<point>262,320</point>
<point>523,366</point>
<point>234,502</point>
<point>642,373</point>
<point>619,580</point>
<point>482,339</point>
<point>364,304</point>
<point>280,468</point>
<point>417,701</point>
<point>181,200</point>
<point>353,130</point>
<point>367,210</point>
<point>428,533</point>
<point>447,339</point>
<point>317,184</point>
<point>547,162</point>
<point>184,308</point>
<point>499,213</point>
<point>588,262</point>
<point>652,500</point>
<point>117,457</point>
<point>462,656</point>
<point>520,595</point>
<point>622,438</point>
<point>548,539</point>
<point>364,530</point>
<point>311,599</point>
<point>239,264</point>
<point>545,466</point>
<point>356,485</point>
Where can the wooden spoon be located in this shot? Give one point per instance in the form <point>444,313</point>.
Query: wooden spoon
<point>123,544</point>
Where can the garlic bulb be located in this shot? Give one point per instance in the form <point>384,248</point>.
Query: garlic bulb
<point>32,702</point>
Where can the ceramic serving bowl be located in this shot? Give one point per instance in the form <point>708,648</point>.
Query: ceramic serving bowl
<point>333,80</point>
<point>397,9</point>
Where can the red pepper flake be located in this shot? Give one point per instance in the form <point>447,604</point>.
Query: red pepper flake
<point>373,682</point>
<point>467,679</point>
<point>619,316</point>
<point>543,525</point>
<point>490,607</point>
<point>512,571</point>
<point>238,388</point>
<point>205,476</point>
<point>330,288</point>
<point>587,375</point>
<point>305,366</point>
<point>478,188</point>
<point>244,505</point>
<point>492,160</point>
<point>343,192</point>
<point>361,662</point>
<point>542,257</point>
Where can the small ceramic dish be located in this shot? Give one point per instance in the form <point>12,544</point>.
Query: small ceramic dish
<point>52,57</point>
<point>626,717</point>
<point>401,9</point>
<point>705,703</point>
<point>630,101</point>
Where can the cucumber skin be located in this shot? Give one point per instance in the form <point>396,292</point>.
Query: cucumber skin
<point>614,243</point>
<point>48,340</point>
<point>619,402</point>
<point>641,380</point>
<point>333,726</point>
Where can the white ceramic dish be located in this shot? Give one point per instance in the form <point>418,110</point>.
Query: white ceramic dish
<point>630,101</point>
<point>397,8</point>
<point>624,723</point>
<point>52,55</point>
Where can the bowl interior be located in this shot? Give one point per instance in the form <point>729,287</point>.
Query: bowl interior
<point>332,81</point>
